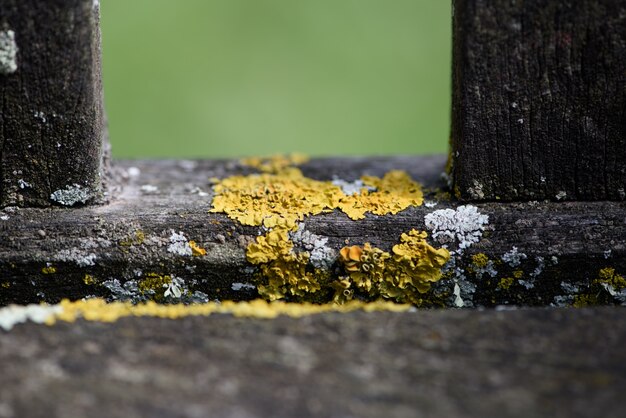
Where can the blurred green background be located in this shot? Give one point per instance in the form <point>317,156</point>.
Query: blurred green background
<point>223,78</point>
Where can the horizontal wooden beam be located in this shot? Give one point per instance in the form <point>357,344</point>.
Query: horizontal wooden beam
<point>539,100</point>
<point>536,253</point>
<point>521,363</point>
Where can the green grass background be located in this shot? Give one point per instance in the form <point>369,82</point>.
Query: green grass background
<point>222,78</point>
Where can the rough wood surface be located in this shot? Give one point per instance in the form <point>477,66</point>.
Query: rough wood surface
<point>51,115</point>
<point>539,100</point>
<point>528,363</point>
<point>49,254</point>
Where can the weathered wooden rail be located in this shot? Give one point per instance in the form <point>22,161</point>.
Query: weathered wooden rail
<point>530,212</point>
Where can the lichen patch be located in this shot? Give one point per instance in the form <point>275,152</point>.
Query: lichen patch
<point>403,275</point>
<point>8,52</point>
<point>72,195</point>
<point>462,227</point>
<point>284,198</point>
<point>100,311</point>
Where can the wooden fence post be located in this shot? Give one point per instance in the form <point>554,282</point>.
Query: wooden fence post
<point>51,117</point>
<point>539,106</point>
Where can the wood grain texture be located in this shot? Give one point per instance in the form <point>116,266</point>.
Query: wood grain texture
<point>562,242</point>
<point>539,100</point>
<point>526,363</point>
<point>51,116</point>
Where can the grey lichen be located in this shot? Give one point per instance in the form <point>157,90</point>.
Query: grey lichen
<point>8,52</point>
<point>514,258</point>
<point>320,255</point>
<point>81,258</point>
<point>476,192</point>
<point>351,188</point>
<point>72,195</point>
<point>242,286</point>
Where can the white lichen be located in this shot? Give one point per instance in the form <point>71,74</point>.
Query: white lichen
<point>179,244</point>
<point>430,204</point>
<point>240,286</point>
<point>8,52</point>
<point>71,195</point>
<point>607,254</point>
<point>15,314</point>
<point>351,187</point>
<point>77,256</point>
<point>463,226</point>
<point>458,300</point>
<point>149,189</point>
<point>133,172</point>
<point>23,184</point>
<point>320,254</point>
<point>174,289</point>
<point>199,192</point>
<point>4,217</point>
<point>41,116</point>
<point>514,258</point>
<point>561,195</point>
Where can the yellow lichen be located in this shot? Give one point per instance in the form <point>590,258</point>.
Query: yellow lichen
<point>154,284</point>
<point>136,238</point>
<point>480,260</point>
<point>5,285</point>
<point>518,274</point>
<point>99,310</point>
<point>284,198</point>
<point>584,300</point>
<point>506,283</point>
<point>196,250</point>
<point>89,280</point>
<point>609,277</point>
<point>283,269</point>
<point>275,163</point>
<point>49,270</point>
<point>405,273</point>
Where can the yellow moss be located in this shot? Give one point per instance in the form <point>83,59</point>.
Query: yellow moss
<point>405,273</point>
<point>196,250</point>
<point>609,277</point>
<point>275,163</point>
<point>506,283</point>
<point>518,274</point>
<point>480,260</point>
<point>49,270</point>
<point>136,238</point>
<point>89,280</point>
<point>99,310</point>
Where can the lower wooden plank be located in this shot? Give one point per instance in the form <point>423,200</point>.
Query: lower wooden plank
<point>448,363</point>
<point>534,253</point>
